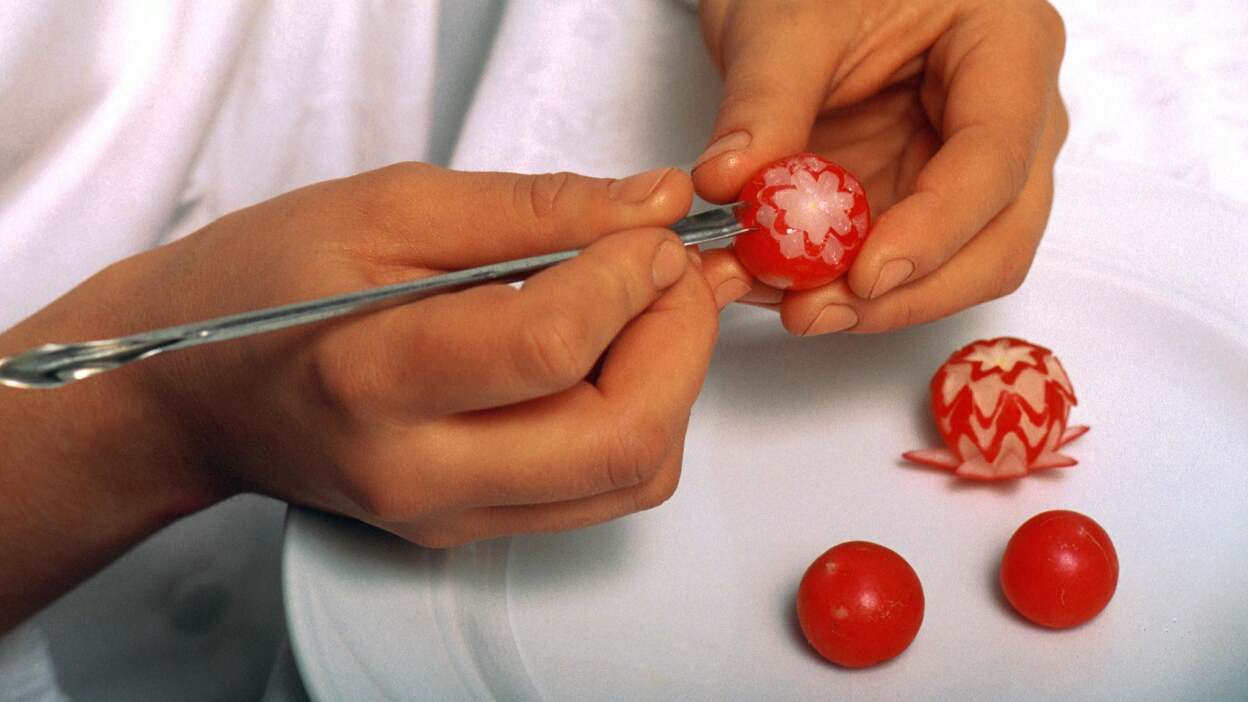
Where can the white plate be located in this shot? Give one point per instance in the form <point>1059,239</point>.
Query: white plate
<point>794,447</point>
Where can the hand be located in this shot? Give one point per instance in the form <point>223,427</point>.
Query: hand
<point>460,417</point>
<point>949,112</point>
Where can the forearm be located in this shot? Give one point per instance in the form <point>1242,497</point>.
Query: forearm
<point>86,471</point>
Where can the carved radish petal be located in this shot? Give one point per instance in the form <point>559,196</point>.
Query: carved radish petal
<point>1001,407</point>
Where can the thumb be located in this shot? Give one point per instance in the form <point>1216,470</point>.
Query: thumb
<point>773,90</point>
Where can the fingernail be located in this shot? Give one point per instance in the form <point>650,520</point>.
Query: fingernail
<point>764,295</point>
<point>891,275</point>
<point>728,142</point>
<point>729,291</point>
<point>833,318</point>
<point>694,258</point>
<point>670,262</point>
<point>637,188</point>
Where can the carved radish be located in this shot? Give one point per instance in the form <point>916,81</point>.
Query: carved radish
<point>811,217</point>
<point>1001,407</point>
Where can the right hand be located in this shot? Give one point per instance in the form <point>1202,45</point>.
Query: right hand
<point>948,110</point>
<point>460,417</point>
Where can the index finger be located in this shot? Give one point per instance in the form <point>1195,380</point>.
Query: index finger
<point>443,219</point>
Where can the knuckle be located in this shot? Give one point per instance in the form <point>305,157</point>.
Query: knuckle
<point>658,490</point>
<point>701,305</point>
<point>380,486</point>
<point>395,180</point>
<point>1012,280</point>
<point>1013,272</point>
<point>1061,119</point>
<point>1008,156</point>
<point>557,349</point>
<point>404,171</point>
<point>375,497</point>
<point>636,453</point>
<point>373,203</point>
<point>901,314</point>
<point>629,286</point>
<point>1052,22</point>
<point>1015,162</point>
<point>437,538</point>
<point>907,315</point>
<point>736,98</point>
<point>711,315</point>
<point>744,96</point>
<point>540,198</point>
<point>340,383</point>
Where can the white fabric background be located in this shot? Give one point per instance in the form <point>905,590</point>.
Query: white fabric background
<point>1162,86</point>
<point>123,125</point>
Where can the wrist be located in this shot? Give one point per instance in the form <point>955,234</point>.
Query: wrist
<point>89,469</point>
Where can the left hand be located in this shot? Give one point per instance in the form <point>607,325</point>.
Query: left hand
<point>947,110</point>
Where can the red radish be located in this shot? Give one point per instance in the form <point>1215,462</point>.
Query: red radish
<point>1001,407</point>
<point>811,217</point>
<point>1060,569</point>
<point>860,604</point>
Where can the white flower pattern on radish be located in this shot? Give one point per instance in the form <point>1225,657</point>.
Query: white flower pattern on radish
<point>999,354</point>
<point>809,216</point>
<point>813,209</point>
